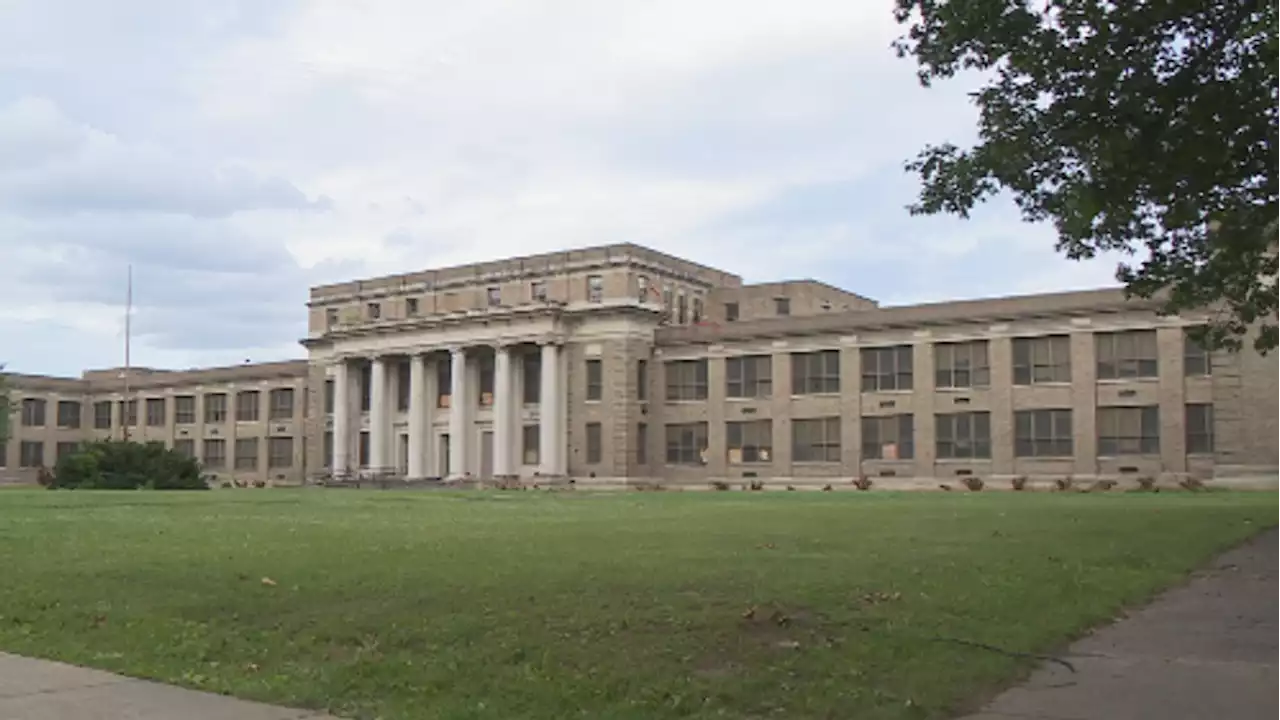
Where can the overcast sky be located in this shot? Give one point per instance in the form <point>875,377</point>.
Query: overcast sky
<point>237,152</point>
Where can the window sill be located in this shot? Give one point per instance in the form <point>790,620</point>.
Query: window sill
<point>801,396</point>
<point>974,388</point>
<point>1047,383</point>
<point>759,398</point>
<point>949,460</point>
<point>1122,381</point>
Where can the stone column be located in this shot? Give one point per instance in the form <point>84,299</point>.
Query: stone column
<point>503,405</point>
<point>458,414</point>
<point>341,417</point>
<point>378,415</point>
<point>418,425</point>
<point>549,445</point>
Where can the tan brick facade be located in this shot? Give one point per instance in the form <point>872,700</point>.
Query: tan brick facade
<point>911,396</point>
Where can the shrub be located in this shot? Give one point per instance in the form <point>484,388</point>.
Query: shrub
<point>122,465</point>
<point>719,485</point>
<point>1146,482</point>
<point>1064,483</point>
<point>756,485</point>
<point>974,483</point>
<point>862,482</point>
<point>1192,483</point>
<point>1020,482</point>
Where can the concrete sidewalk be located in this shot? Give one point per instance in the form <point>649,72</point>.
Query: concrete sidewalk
<point>1204,650</point>
<point>43,690</point>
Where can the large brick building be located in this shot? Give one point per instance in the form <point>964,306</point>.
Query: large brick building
<point>620,364</point>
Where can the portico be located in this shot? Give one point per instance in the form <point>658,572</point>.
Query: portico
<point>460,411</point>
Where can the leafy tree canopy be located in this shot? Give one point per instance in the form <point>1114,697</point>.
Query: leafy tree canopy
<point>1134,125</point>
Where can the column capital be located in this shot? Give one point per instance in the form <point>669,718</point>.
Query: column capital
<point>552,340</point>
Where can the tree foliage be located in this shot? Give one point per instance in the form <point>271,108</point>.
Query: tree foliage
<point>1147,126</point>
<point>123,465</point>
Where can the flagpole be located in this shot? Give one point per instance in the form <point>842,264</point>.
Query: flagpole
<point>128,319</point>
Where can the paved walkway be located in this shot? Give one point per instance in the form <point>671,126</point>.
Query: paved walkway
<point>1204,650</point>
<point>43,690</point>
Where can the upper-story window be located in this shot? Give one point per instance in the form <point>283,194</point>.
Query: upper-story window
<point>1196,360</point>
<point>538,290</point>
<point>595,288</point>
<point>493,296</point>
<point>330,318</point>
<point>668,298</point>
<point>682,308</point>
<point>961,364</point>
<point>782,305</point>
<point>411,307</point>
<point>697,310</point>
<point>887,368</point>
<point>642,288</point>
<point>1126,354</point>
<point>374,310</point>
<point>731,312</point>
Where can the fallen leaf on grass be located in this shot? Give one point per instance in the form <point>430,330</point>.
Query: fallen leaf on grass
<point>268,582</point>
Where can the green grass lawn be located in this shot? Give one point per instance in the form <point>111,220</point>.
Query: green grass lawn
<point>528,605</point>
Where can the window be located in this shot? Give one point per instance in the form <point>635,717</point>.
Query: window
<point>102,415</point>
<point>538,290</point>
<point>403,385</point>
<point>750,441</point>
<point>1129,430</point>
<point>330,318</point>
<point>156,415</point>
<point>215,408</point>
<point>1127,354</point>
<point>531,365</point>
<point>444,382</point>
<point>30,454</point>
<point>815,440</point>
<point>184,409</point>
<point>279,452</point>
<point>642,444</point>
<point>63,449</point>
<point>215,453</point>
<point>749,376</point>
<point>68,414</point>
<point>185,447</point>
<point>1196,360</point>
<point>887,368</point>
<point>668,299</point>
<point>1199,423</point>
<point>595,441</point>
<point>1045,359</point>
<point>697,310</point>
<point>687,443</point>
<point>326,447</point>
<point>362,450</point>
<point>493,296</point>
<point>682,308</point>
<point>1042,433</point>
<point>961,365</point>
<point>686,380</point>
<point>642,288</point>
<point>33,412</point>
<point>963,435</point>
<point>731,312</point>
<point>247,406</point>
<point>595,288</point>
<point>486,380</point>
<point>530,438</point>
<point>328,396</point>
<point>4,455</point>
<point>366,387</point>
<point>782,306</point>
<point>247,453</point>
<point>815,372</point>
<point>595,380</point>
<point>888,437</point>
<point>642,379</point>
<point>411,307</point>
<point>374,310</point>
<point>129,412</point>
<point>280,403</point>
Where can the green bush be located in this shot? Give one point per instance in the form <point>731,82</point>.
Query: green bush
<point>120,465</point>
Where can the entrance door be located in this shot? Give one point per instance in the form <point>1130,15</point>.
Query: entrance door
<point>402,462</point>
<point>486,454</point>
<point>444,455</point>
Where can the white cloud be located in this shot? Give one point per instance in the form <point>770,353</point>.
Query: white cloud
<point>197,139</point>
